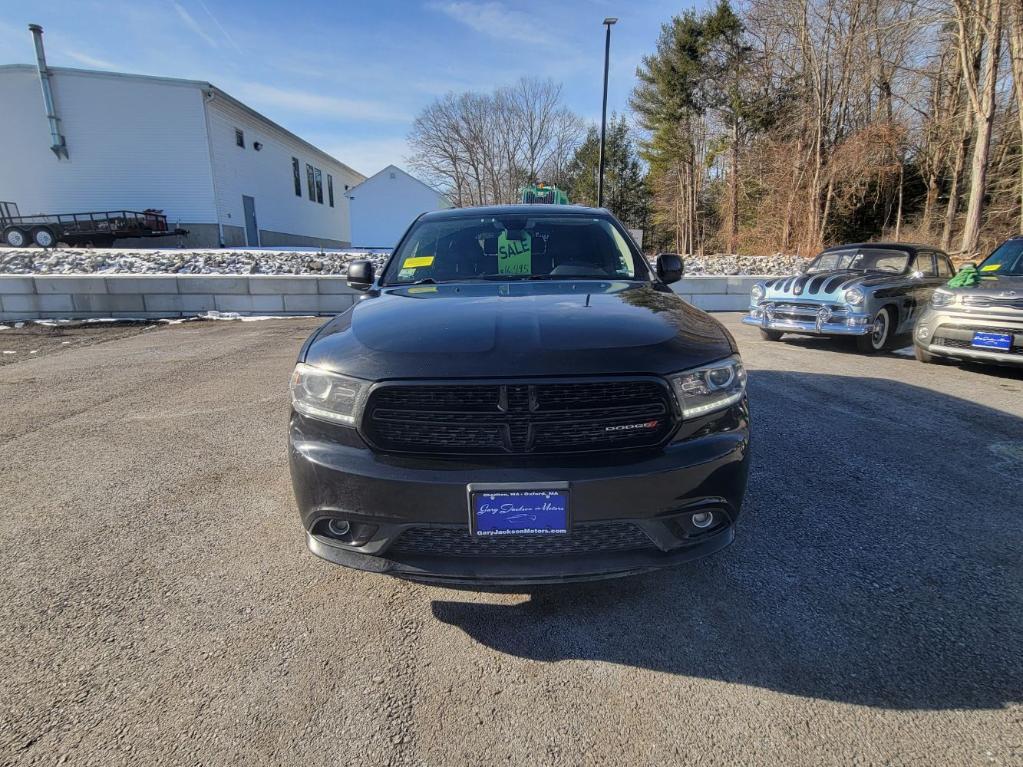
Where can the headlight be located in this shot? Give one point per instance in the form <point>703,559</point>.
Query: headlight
<point>854,296</point>
<point>711,387</point>
<point>327,396</point>
<point>756,293</point>
<point>942,297</point>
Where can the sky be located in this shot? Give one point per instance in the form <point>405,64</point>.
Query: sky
<point>348,76</point>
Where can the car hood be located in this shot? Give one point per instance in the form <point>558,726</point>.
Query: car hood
<point>522,329</point>
<point>993,285</point>
<point>828,287</point>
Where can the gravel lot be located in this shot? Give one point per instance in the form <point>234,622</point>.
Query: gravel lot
<point>158,606</point>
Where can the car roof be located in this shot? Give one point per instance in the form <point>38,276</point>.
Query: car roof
<point>520,210</point>
<point>909,247</point>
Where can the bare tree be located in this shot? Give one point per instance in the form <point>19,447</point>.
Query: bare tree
<point>979,25</point>
<point>482,147</point>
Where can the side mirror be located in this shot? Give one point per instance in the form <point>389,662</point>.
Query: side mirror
<point>360,275</point>
<point>669,267</point>
<point>970,265</point>
<point>917,275</point>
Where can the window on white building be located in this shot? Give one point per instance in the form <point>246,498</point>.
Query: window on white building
<point>239,137</point>
<point>310,181</point>
<point>330,190</point>
<point>319,185</point>
<point>298,176</point>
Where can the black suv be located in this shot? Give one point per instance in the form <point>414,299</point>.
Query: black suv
<point>517,399</point>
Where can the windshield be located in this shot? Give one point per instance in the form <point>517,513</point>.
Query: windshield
<point>861,260</point>
<point>514,247</point>
<point>1007,259</point>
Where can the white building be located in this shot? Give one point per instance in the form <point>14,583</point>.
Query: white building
<point>384,205</point>
<point>215,166</point>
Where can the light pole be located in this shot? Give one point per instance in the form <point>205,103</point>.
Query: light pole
<point>608,22</point>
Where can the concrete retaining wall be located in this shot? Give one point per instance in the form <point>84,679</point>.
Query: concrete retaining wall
<point>167,296</point>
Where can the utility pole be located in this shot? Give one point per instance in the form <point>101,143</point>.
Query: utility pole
<point>608,22</point>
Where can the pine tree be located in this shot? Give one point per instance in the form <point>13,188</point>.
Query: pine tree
<point>625,191</point>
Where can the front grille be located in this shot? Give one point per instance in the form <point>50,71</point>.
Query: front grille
<point>518,418</point>
<point>959,343</point>
<point>804,311</point>
<point>993,302</point>
<point>585,539</point>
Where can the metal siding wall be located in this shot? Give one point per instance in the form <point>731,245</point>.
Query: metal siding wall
<point>133,144</point>
<point>267,176</point>
<point>383,208</point>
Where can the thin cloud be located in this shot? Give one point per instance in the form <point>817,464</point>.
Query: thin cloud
<point>494,19</point>
<point>224,32</point>
<point>87,60</point>
<point>193,25</point>
<point>320,105</point>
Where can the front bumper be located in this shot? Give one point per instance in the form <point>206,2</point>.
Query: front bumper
<point>949,333</point>
<point>650,498</point>
<point>812,322</point>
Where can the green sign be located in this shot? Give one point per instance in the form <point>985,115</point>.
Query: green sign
<point>514,256</point>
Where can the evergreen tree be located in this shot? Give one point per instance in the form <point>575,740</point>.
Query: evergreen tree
<point>625,191</point>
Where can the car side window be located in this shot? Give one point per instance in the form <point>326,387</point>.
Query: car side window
<point>945,267</point>
<point>925,264</point>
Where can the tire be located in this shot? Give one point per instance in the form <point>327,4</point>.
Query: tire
<point>880,338</point>
<point>15,237</point>
<point>43,237</point>
<point>770,335</point>
<point>922,355</point>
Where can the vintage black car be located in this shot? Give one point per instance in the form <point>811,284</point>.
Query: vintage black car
<point>872,291</point>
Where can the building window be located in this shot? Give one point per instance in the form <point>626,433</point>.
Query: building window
<point>239,138</point>
<point>298,176</point>
<point>319,185</point>
<point>310,181</point>
<point>330,190</point>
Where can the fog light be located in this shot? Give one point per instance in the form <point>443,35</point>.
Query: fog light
<point>338,527</point>
<point>922,332</point>
<point>702,519</point>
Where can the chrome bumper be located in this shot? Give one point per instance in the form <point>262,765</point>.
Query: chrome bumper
<point>823,324</point>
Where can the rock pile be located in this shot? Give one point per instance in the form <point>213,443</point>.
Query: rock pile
<point>213,261</point>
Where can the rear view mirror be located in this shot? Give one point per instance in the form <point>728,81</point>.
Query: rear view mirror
<point>360,275</point>
<point>669,267</point>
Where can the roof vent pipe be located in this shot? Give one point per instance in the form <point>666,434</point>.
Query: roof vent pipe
<point>59,146</point>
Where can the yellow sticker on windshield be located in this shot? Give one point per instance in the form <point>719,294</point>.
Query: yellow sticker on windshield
<point>423,289</point>
<point>991,268</point>
<point>417,261</point>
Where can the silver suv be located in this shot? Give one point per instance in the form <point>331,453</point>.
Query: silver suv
<point>982,322</point>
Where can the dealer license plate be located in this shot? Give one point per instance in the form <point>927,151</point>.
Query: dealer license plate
<point>999,341</point>
<point>518,511</point>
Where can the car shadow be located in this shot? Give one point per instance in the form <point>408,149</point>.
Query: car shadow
<point>876,562</point>
<point>846,345</point>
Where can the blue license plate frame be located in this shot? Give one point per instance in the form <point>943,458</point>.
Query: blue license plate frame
<point>519,509</point>
<point>999,342</point>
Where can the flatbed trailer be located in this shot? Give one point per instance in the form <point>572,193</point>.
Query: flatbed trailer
<point>96,228</point>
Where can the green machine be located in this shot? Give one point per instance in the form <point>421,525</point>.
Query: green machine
<point>541,194</point>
